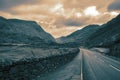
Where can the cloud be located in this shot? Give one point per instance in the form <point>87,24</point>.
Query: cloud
<point>6,4</point>
<point>91,11</point>
<point>114,13</point>
<point>114,6</point>
<point>71,22</point>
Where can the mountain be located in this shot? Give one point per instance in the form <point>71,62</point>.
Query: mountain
<point>22,31</point>
<point>108,35</point>
<point>80,36</point>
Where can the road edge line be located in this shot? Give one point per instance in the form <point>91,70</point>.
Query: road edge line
<point>81,76</point>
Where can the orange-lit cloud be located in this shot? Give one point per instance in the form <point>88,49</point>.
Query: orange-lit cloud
<point>91,11</point>
<point>61,17</point>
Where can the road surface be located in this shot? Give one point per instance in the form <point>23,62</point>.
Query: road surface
<point>99,67</point>
<point>88,65</point>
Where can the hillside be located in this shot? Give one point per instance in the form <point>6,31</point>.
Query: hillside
<point>22,32</point>
<point>80,36</point>
<point>106,36</point>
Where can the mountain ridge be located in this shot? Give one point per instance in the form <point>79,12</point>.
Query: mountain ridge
<point>79,36</point>
<point>16,30</point>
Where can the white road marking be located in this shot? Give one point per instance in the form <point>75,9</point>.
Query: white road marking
<point>114,68</point>
<point>81,76</point>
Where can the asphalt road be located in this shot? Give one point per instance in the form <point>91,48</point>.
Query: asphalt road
<point>99,67</point>
<point>88,65</point>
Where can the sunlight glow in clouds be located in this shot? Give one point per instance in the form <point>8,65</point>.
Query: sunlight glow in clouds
<point>114,13</point>
<point>91,11</point>
<point>58,9</point>
<point>78,14</point>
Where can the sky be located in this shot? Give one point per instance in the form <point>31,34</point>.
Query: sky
<point>61,17</point>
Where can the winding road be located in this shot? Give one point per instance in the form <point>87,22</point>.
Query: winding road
<point>88,65</point>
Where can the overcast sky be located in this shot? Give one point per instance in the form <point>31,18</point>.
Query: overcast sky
<point>61,17</point>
